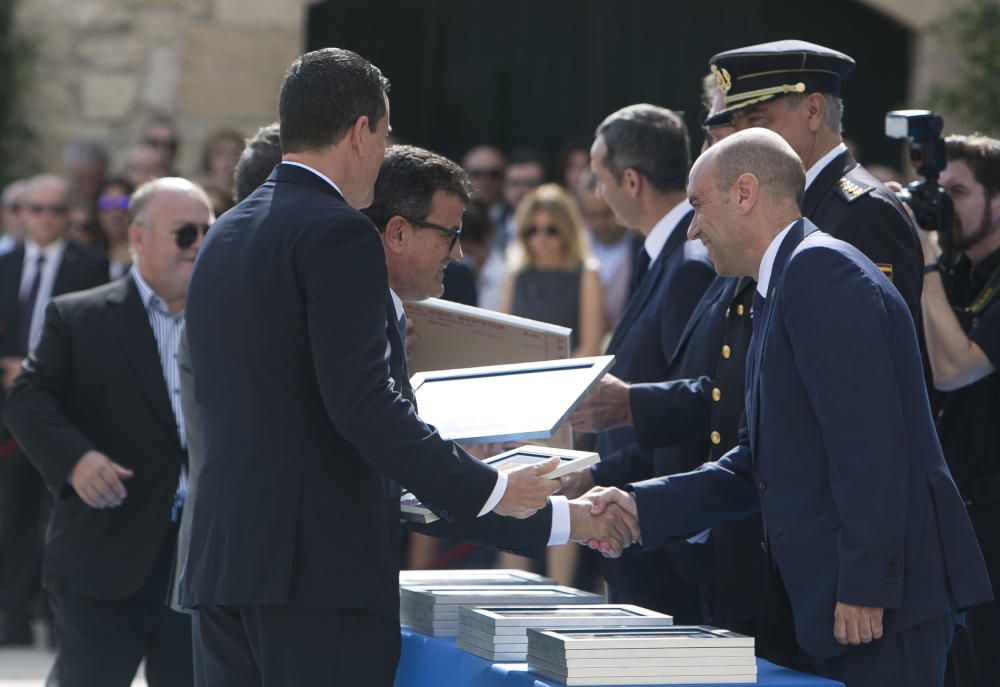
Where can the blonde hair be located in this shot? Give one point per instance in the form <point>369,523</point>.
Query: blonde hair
<point>555,200</point>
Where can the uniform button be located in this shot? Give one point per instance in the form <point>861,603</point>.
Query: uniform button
<point>726,352</point>
<point>716,438</point>
<point>739,310</point>
<point>762,484</point>
<point>716,394</point>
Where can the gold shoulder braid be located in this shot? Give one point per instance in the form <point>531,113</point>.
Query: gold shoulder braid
<point>852,190</point>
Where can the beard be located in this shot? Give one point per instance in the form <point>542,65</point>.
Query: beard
<point>961,241</point>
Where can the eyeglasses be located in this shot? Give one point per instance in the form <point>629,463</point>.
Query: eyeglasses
<point>112,203</point>
<point>51,209</point>
<point>186,234</point>
<point>551,230</point>
<point>496,173</point>
<point>453,234</point>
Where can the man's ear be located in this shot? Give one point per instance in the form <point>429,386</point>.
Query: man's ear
<point>632,182</point>
<point>747,187</point>
<point>136,236</point>
<point>359,134</point>
<point>395,235</point>
<point>815,111</point>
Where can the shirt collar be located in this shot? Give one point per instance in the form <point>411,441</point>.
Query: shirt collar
<point>317,173</point>
<point>52,251</point>
<point>664,229</point>
<point>821,163</point>
<point>148,297</point>
<point>397,303</point>
<point>767,262</point>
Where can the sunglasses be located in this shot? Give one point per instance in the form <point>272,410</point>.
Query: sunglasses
<point>13,207</point>
<point>486,173</point>
<point>186,234</point>
<point>453,234</point>
<point>551,230</point>
<point>51,209</point>
<point>112,203</point>
<point>162,143</point>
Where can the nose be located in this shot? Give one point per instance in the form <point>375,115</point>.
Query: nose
<point>694,230</point>
<point>456,251</point>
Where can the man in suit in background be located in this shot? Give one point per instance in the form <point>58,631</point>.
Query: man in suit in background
<point>47,264</point>
<point>867,534</point>
<point>97,410</point>
<point>294,563</point>
<point>641,159</point>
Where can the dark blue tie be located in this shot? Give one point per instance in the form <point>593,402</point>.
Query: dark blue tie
<point>640,267</point>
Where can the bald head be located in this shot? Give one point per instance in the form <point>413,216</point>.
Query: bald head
<point>763,154</point>
<point>158,191</point>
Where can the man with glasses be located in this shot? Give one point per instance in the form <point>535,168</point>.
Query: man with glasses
<point>48,264</point>
<point>97,411</point>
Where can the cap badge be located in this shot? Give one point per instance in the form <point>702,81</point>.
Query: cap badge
<point>722,78</point>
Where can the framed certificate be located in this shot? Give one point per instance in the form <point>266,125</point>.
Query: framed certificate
<point>519,402</point>
<point>411,510</point>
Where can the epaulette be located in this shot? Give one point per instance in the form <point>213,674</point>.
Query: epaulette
<point>851,190</point>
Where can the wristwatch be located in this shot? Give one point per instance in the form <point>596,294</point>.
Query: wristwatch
<point>932,267</point>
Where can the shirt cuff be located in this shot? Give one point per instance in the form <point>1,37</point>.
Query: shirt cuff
<point>560,521</point>
<point>498,491</point>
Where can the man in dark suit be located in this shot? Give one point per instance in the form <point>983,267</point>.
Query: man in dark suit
<point>641,158</point>
<point>97,411</point>
<point>46,265</point>
<point>793,88</point>
<point>865,528</point>
<point>293,562</point>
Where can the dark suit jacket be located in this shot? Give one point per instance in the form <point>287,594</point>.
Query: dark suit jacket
<point>94,381</point>
<point>644,345</point>
<point>839,451</point>
<point>848,203</point>
<point>305,434</point>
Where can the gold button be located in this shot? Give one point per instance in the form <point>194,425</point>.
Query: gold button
<point>716,438</point>
<point>726,352</point>
<point>716,394</point>
<point>739,310</point>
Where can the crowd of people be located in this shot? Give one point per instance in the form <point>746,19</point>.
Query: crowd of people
<point>771,438</point>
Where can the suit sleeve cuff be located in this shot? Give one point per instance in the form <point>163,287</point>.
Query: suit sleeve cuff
<point>498,491</point>
<point>560,521</point>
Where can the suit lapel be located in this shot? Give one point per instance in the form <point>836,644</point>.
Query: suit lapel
<point>822,184</point>
<point>717,290</point>
<point>129,321</point>
<point>66,275</point>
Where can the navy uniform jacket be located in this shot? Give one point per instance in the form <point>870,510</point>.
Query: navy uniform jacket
<point>644,343</point>
<point>838,451</point>
<point>305,435</point>
<point>852,205</point>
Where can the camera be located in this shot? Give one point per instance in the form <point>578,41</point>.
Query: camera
<point>931,204</point>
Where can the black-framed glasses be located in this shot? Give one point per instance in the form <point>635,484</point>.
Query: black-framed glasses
<point>453,234</point>
<point>186,234</point>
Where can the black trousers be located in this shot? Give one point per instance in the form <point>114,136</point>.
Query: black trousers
<point>22,505</point>
<point>278,646</point>
<point>102,643</point>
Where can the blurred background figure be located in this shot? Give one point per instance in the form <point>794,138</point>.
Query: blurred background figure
<point>143,163</point>
<point>552,276</point>
<point>86,162</point>
<point>574,160</point>
<point>221,153</point>
<point>258,159</point>
<point>160,133</point>
<point>613,246</point>
<point>12,202</point>
<point>485,164</point>
<point>112,218</point>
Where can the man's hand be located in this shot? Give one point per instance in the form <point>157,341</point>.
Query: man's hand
<point>98,480</point>
<point>10,368</point>
<point>577,483</point>
<point>615,529</point>
<point>605,407</point>
<point>856,624</point>
<point>604,498</point>
<point>527,490</point>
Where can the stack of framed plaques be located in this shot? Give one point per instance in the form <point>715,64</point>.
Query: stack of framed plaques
<point>643,656</point>
<point>500,633</point>
<point>443,578</point>
<point>434,610</point>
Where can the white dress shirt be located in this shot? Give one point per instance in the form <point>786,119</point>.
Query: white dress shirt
<point>767,262</point>
<point>821,163</point>
<point>664,229</point>
<point>50,268</point>
<point>317,173</point>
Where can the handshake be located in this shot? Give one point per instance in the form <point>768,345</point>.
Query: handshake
<point>605,519</point>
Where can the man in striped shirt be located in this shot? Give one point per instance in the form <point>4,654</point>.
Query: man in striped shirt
<point>97,411</point>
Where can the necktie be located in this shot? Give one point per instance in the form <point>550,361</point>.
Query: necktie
<point>405,387</point>
<point>28,306</point>
<point>757,311</point>
<point>642,261</point>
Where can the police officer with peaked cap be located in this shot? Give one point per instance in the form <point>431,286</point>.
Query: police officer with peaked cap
<point>793,88</point>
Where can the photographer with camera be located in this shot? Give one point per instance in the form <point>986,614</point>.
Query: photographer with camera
<point>961,318</point>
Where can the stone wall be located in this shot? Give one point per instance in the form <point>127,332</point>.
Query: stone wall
<point>105,65</point>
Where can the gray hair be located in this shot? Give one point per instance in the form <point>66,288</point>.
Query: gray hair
<point>259,157</point>
<point>138,204</point>
<point>833,115</point>
<point>767,156</point>
<point>46,180</point>
<point>86,150</point>
<point>13,190</point>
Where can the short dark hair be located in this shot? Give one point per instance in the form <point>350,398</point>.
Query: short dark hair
<point>323,95</point>
<point>407,181</point>
<point>651,140</point>
<point>527,156</point>
<point>261,154</point>
<point>982,155</point>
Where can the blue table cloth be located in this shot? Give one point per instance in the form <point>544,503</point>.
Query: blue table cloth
<point>437,662</point>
